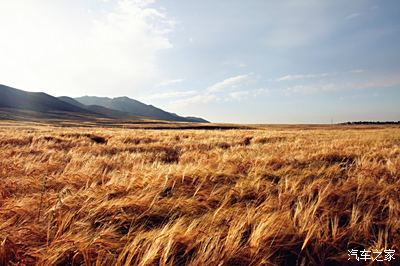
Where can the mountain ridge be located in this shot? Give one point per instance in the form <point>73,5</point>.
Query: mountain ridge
<point>132,106</point>
<point>35,101</point>
<point>101,109</point>
<point>43,104</point>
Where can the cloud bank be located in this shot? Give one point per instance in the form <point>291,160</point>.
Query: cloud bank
<point>107,47</point>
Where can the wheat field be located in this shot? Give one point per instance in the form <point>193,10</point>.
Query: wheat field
<point>266,196</point>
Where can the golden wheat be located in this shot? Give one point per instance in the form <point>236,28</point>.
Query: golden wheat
<point>271,196</point>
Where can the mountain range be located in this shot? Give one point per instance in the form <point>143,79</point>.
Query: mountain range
<point>131,106</point>
<point>14,101</point>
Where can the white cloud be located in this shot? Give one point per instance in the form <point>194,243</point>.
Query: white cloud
<point>169,82</point>
<point>61,48</point>
<point>228,83</point>
<point>294,77</point>
<point>244,94</point>
<point>353,15</point>
<point>305,76</point>
<point>238,95</point>
<point>210,93</point>
<point>308,89</point>
<point>143,3</point>
<point>215,92</point>
<point>198,99</point>
<point>171,94</point>
<point>379,82</point>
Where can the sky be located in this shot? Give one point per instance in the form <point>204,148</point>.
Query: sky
<point>259,61</point>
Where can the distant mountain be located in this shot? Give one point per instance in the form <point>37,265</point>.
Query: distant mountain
<point>22,104</point>
<point>101,109</point>
<point>131,106</point>
<point>35,101</point>
<point>71,101</point>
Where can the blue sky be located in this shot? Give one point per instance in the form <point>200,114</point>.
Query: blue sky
<point>227,61</point>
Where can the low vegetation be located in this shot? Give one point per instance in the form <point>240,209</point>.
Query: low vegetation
<point>271,196</point>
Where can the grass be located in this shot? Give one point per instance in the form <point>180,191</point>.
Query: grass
<point>272,196</point>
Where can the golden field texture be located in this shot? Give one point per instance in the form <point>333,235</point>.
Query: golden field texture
<point>271,196</point>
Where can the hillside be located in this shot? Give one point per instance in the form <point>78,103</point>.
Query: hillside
<point>17,104</point>
<point>101,109</point>
<point>36,101</point>
<point>128,105</point>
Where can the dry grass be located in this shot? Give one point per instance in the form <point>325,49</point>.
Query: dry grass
<point>281,196</point>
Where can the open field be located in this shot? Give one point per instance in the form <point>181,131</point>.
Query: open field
<point>271,195</point>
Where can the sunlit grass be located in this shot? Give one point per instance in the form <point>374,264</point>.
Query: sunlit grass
<point>184,197</point>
